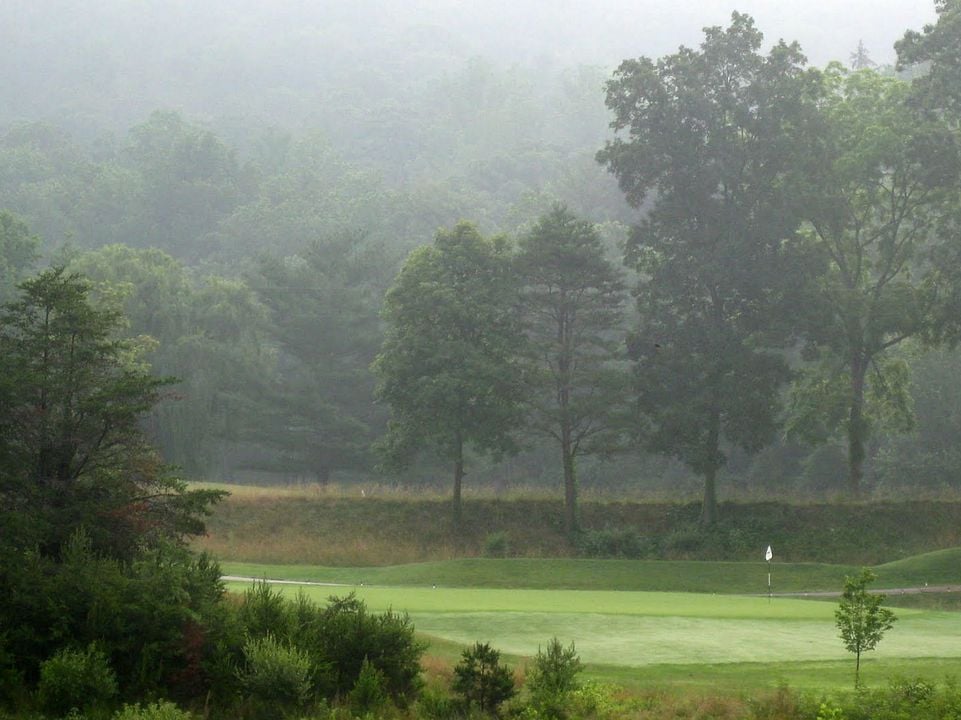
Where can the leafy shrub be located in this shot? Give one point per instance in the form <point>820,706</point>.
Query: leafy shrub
<point>433,704</point>
<point>265,612</point>
<point>347,634</point>
<point>497,544</point>
<point>162,710</point>
<point>481,680</point>
<point>276,677</point>
<point>368,694</point>
<point>552,677</point>
<point>595,700</point>
<point>615,543</point>
<point>75,679</point>
<point>11,680</point>
<point>830,711</point>
<point>686,540</point>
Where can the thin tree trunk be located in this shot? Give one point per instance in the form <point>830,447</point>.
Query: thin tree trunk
<point>856,428</point>
<point>709,505</point>
<point>458,481</point>
<point>571,524</point>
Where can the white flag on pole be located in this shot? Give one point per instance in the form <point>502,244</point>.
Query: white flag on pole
<point>768,555</point>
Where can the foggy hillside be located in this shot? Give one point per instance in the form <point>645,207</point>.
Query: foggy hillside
<point>108,63</point>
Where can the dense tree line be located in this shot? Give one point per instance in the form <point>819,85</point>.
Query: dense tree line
<point>790,260</point>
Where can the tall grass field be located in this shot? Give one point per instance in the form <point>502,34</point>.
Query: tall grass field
<point>311,526</point>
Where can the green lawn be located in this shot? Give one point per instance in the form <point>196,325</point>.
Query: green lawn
<point>715,628</point>
<point>648,631</point>
<point>569,574</point>
<point>942,567</point>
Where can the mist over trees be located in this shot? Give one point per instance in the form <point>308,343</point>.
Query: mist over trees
<point>740,297</point>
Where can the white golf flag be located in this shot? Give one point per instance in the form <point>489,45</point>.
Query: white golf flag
<point>768,555</point>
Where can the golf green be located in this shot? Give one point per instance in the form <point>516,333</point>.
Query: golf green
<point>634,629</point>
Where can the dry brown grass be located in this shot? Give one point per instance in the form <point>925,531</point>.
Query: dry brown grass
<point>374,525</point>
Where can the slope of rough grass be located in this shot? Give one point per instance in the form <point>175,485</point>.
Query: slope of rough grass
<point>320,528</point>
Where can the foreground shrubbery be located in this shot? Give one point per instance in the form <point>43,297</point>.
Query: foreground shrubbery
<point>88,634</point>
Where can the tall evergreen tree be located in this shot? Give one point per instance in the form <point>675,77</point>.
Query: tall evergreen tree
<point>73,452</point>
<point>571,305</point>
<point>318,412</point>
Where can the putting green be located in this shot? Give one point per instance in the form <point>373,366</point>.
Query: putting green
<point>635,629</point>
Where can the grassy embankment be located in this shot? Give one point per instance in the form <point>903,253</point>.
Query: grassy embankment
<point>311,527</point>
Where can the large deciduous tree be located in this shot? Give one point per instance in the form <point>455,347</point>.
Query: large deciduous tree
<point>448,368</point>
<point>877,202</point>
<point>571,305</point>
<point>711,138</point>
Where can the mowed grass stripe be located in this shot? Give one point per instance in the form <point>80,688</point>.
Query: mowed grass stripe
<point>607,602</point>
<point>941,567</point>
<point>570,574</point>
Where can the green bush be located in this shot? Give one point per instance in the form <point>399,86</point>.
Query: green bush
<point>162,710</point>
<point>80,679</point>
<point>275,677</point>
<point>497,544</point>
<point>433,704</point>
<point>347,634</point>
<point>11,679</point>
<point>368,694</point>
<point>615,543</point>
<point>265,612</point>
<point>481,680</point>
<point>149,616</point>
<point>552,677</point>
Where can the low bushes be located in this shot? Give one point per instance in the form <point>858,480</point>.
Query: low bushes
<point>75,679</point>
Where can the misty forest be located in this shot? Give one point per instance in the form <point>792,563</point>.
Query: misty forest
<point>535,271</point>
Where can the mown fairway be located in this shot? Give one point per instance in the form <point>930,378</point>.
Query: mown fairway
<point>664,637</point>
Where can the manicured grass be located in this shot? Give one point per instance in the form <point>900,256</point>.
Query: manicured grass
<point>941,567</point>
<point>572,574</point>
<point>664,636</point>
<point>820,678</point>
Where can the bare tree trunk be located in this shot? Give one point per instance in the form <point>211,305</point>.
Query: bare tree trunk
<point>458,481</point>
<point>709,504</point>
<point>571,524</point>
<point>856,427</point>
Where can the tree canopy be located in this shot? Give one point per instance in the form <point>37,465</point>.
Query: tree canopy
<point>448,367</point>
<point>712,137</point>
<point>570,304</point>
<point>876,200</point>
<point>73,452</point>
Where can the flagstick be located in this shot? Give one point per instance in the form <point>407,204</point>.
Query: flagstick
<point>769,556</point>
